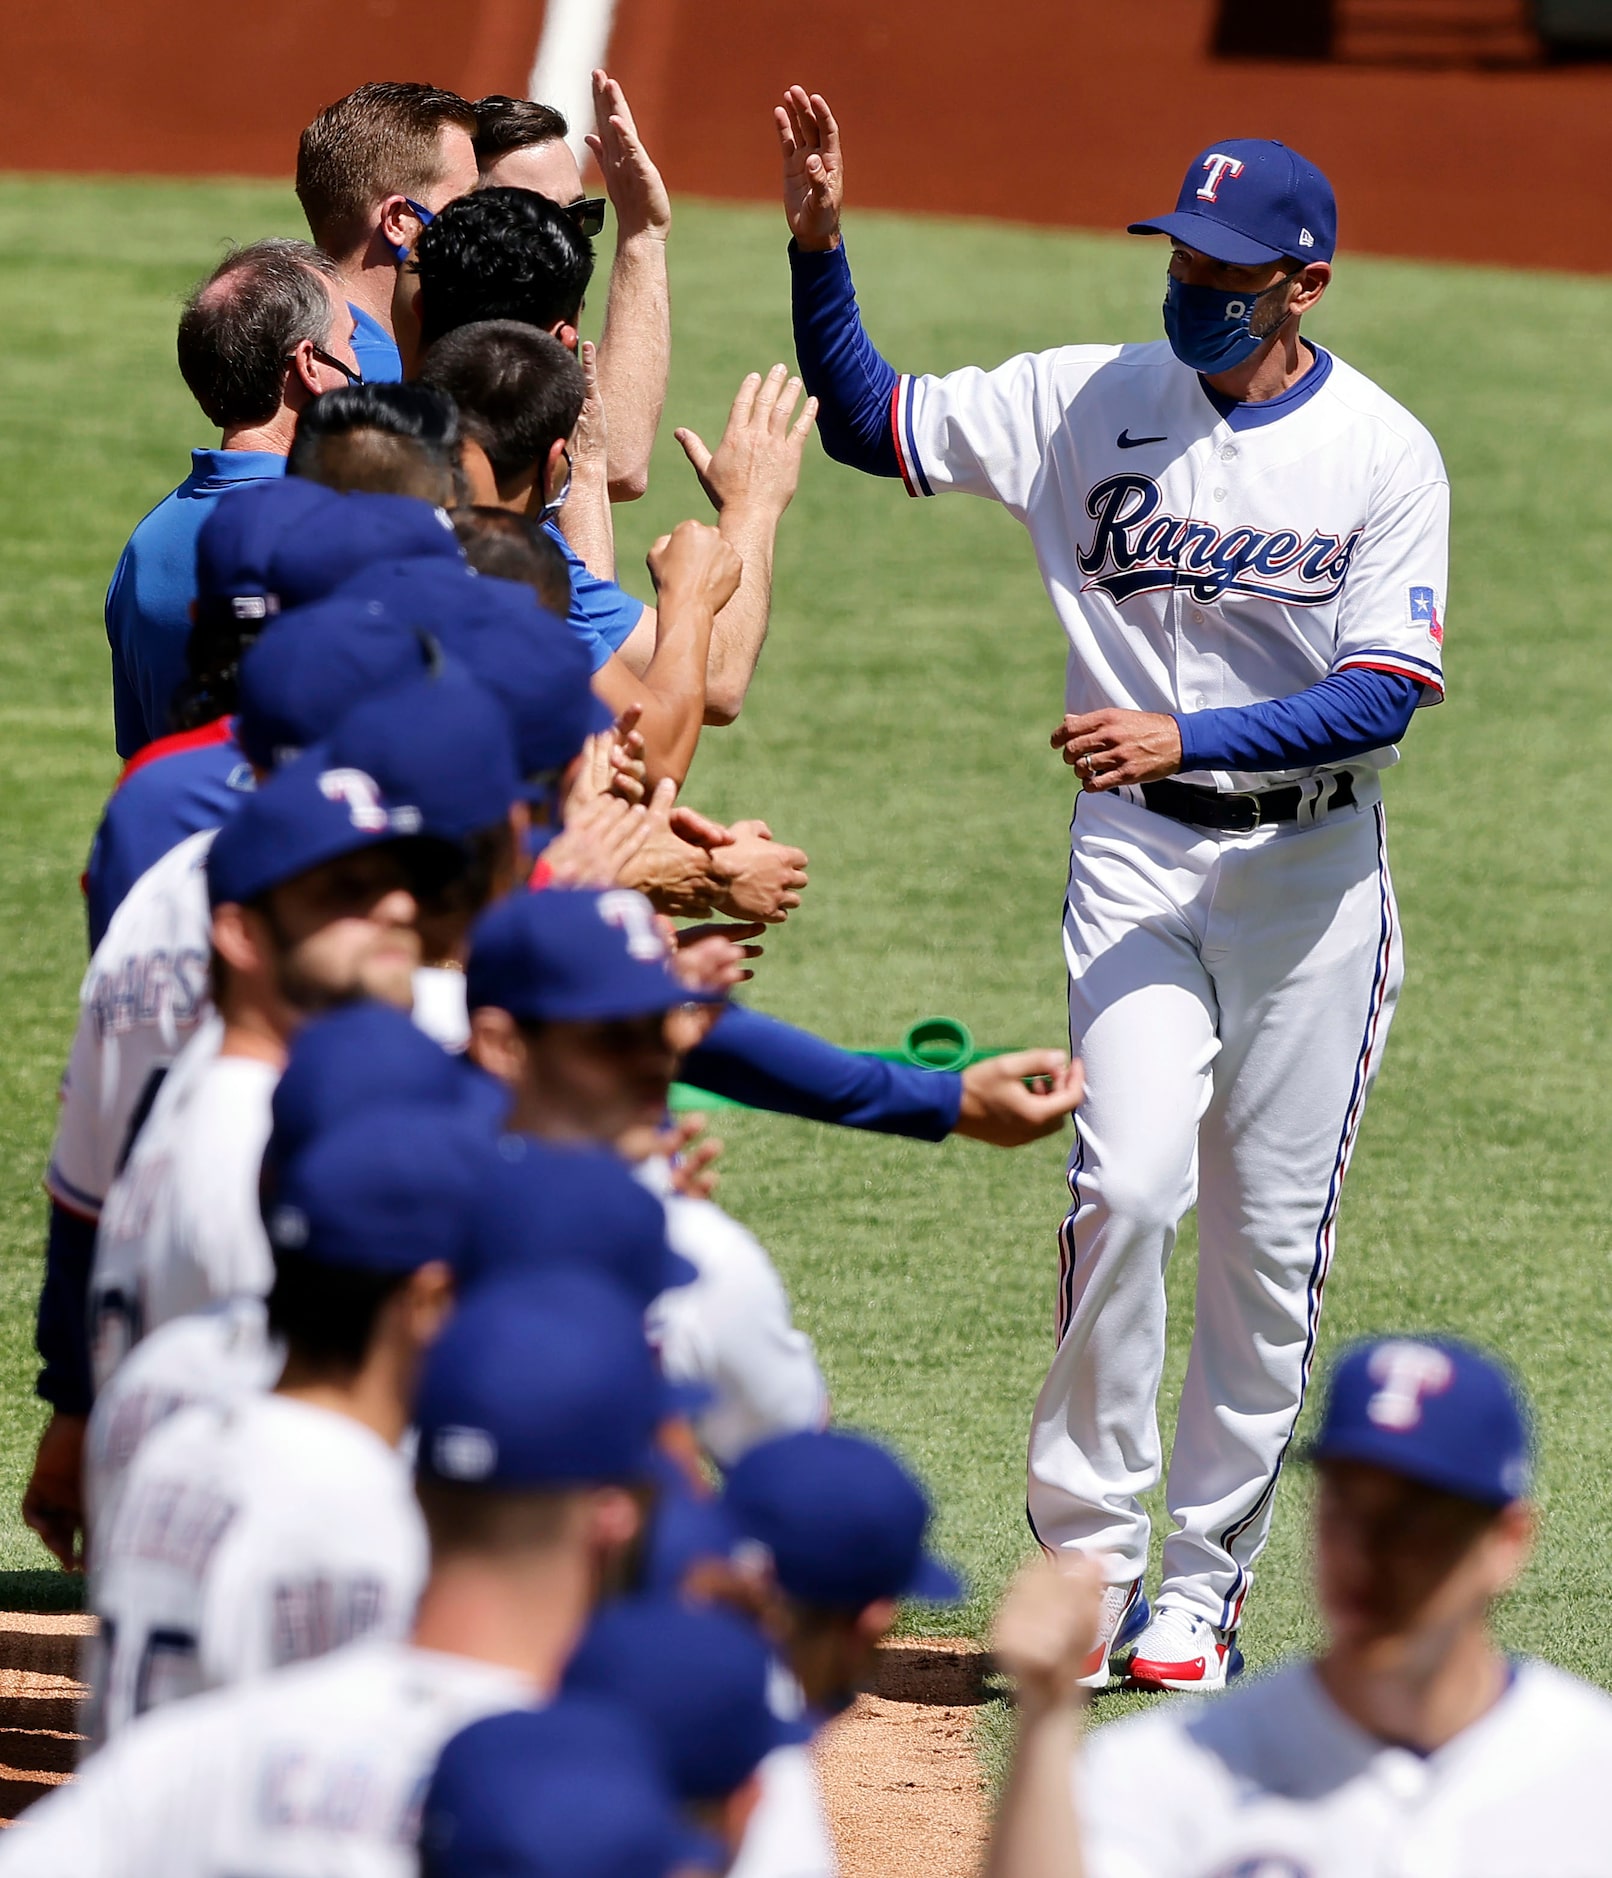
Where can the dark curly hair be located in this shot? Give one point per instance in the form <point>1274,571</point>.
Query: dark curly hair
<point>501,254</point>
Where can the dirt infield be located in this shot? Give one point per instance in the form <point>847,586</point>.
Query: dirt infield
<point>1055,111</point>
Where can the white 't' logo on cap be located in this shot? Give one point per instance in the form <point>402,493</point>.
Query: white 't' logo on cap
<point>1407,1372</point>
<point>1217,168</point>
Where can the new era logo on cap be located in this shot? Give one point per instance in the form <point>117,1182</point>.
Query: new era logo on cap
<point>464,1453</point>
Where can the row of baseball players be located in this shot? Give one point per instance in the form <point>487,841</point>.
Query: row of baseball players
<point>363,1138</point>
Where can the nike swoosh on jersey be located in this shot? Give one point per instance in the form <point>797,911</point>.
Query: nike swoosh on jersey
<point>1127,442</point>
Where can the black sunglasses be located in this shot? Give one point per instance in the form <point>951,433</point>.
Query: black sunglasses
<point>324,358</point>
<point>588,212</point>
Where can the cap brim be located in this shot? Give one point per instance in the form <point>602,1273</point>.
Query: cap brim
<point>934,1583</point>
<point>1388,1453</point>
<point>605,1007</point>
<point>1211,237</point>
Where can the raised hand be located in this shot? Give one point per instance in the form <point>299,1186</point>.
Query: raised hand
<point>631,180</point>
<point>814,171</point>
<point>757,463</point>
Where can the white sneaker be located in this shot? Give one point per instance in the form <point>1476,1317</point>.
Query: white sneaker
<point>1124,1617</point>
<point>1181,1650</point>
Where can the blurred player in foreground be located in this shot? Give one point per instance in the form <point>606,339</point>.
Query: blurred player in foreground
<point>1412,1744</point>
<point>537,1416</point>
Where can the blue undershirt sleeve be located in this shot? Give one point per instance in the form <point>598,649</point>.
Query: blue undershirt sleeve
<point>61,1332</point>
<point>768,1064</point>
<point>840,368</point>
<point>1346,714</point>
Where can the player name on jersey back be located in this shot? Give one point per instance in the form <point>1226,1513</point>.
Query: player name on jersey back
<point>1201,555</point>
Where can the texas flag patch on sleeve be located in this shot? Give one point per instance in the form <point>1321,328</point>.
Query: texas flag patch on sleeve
<point>1424,612</point>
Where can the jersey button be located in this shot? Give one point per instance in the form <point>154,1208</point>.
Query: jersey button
<point>1228,453</point>
<point>1220,495</point>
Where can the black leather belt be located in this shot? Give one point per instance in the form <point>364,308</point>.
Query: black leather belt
<point>1234,814</point>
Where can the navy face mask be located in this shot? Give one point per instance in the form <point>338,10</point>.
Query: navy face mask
<point>1208,329</point>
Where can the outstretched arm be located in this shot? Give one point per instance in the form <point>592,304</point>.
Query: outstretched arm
<point>635,348</point>
<point>853,384</point>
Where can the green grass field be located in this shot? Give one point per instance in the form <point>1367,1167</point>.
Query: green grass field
<point>898,731</point>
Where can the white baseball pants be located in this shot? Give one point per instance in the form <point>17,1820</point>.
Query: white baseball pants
<point>1230,996</point>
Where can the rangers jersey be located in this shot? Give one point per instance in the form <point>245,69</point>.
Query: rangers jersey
<point>249,1535</point>
<point>731,1331</point>
<point>314,1773</point>
<point>1273,1781</point>
<point>181,1227</point>
<point>216,1355</point>
<point>1202,554</point>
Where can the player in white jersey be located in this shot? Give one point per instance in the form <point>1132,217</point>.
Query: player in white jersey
<point>1246,542</point>
<point>269,1528</point>
<point>571,995</point>
<point>214,1356</point>
<point>315,889</point>
<point>537,1415</point>
<point>1410,1748</point>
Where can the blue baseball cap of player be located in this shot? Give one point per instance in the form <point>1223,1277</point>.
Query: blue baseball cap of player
<point>698,1678</point>
<point>388,1190</point>
<point>366,1055</point>
<point>524,654</point>
<point>445,738</point>
<point>842,1518</point>
<point>1433,1410</point>
<point>571,1790</point>
<point>304,675</point>
<point>686,1531</point>
<point>277,544</point>
<point>306,814</point>
<point>1248,201</point>
<point>546,1208</point>
<point>541,1381</point>
<point>571,955</point>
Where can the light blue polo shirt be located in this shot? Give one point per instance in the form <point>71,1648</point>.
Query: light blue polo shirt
<point>148,602</point>
<point>375,349</point>
<point>602,614</point>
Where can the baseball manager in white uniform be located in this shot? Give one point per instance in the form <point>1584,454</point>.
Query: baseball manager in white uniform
<point>1246,543</point>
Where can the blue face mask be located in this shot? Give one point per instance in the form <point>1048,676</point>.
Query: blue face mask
<point>1208,329</point>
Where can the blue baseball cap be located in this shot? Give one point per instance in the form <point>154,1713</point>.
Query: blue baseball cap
<point>1433,1410</point>
<point>389,1190</point>
<point>237,543</point>
<point>278,544</point>
<point>542,673</point>
<point>541,1381</point>
<point>363,1056</point>
<point>304,674</point>
<point>572,1790</point>
<point>570,954</point>
<point>1248,201</point>
<point>686,1530</point>
<point>446,741</point>
<point>530,659</point>
<point>698,1678</point>
<point>546,1207</point>
<point>306,814</point>
<point>843,1520</point>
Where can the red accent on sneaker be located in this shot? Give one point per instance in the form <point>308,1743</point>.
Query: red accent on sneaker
<point>1150,1674</point>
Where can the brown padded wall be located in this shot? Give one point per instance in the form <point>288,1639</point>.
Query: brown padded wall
<point>1054,111</point>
